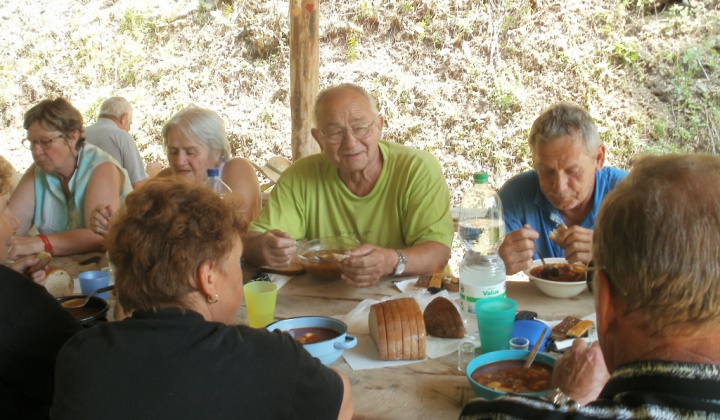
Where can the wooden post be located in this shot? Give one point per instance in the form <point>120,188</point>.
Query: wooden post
<point>304,63</point>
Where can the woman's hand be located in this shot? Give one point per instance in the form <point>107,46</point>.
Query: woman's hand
<point>23,265</point>
<point>21,246</point>
<point>100,219</point>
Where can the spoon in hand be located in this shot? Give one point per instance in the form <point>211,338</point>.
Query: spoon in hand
<point>79,302</point>
<point>535,349</point>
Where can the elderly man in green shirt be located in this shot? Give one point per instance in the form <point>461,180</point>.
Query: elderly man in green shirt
<point>394,199</point>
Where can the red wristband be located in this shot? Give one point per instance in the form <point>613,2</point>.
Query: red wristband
<point>48,245</point>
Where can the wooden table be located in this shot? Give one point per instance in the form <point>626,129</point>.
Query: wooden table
<point>432,389</point>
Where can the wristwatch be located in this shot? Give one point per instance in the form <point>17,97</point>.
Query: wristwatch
<point>400,267</point>
<point>559,399</point>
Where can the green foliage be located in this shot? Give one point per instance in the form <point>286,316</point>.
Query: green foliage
<point>625,52</point>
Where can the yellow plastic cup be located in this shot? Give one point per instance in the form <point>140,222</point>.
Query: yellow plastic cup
<point>260,299</point>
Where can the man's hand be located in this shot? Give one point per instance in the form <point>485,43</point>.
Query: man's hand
<point>517,249</point>
<point>22,266</point>
<point>367,264</point>
<point>581,372</point>
<point>278,248</point>
<point>100,219</point>
<point>577,242</point>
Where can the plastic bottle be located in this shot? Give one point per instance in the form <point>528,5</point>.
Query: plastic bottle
<point>481,229</point>
<point>217,184</point>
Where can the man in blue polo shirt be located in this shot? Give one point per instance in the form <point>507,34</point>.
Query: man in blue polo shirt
<point>565,190</point>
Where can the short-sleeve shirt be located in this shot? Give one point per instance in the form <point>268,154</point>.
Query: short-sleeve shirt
<point>524,202</point>
<point>173,364</point>
<point>119,144</point>
<point>54,213</point>
<point>408,205</point>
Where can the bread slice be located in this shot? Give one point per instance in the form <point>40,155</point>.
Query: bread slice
<point>405,319</point>
<point>412,340</point>
<point>394,340</point>
<point>59,282</point>
<point>559,332</point>
<point>443,320</point>
<point>556,235</point>
<point>378,332</point>
<point>422,343</point>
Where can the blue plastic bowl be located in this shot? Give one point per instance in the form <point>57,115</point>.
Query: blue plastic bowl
<point>496,356</point>
<point>327,351</point>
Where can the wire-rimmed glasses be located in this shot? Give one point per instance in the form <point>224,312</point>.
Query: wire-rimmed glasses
<point>44,143</point>
<point>337,135</point>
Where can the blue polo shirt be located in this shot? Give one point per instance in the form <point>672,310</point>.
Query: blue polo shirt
<point>523,202</point>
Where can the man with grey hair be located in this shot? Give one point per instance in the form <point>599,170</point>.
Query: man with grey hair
<point>555,205</point>
<point>657,298</point>
<point>392,198</point>
<point>111,134</point>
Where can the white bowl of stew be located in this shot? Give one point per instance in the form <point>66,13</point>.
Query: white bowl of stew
<point>569,282</point>
<point>322,336</point>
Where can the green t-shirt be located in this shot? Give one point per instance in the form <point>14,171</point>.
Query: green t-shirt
<point>409,204</point>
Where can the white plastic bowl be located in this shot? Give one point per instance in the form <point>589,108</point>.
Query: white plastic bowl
<point>556,289</point>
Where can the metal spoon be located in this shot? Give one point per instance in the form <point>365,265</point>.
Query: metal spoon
<point>79,302</point>
<point>547,270</point>
<point>535,349</point>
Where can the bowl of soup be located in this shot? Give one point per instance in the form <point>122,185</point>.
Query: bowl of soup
<point>93,311</point>
<point>501,372</point>
<point>323,337</point>
<point>321,257</point>
<point>566,280</point>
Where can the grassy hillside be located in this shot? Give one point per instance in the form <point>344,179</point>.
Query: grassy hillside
<point>462,78</point>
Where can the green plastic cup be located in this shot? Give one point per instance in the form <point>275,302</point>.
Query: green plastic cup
<point>496,318</point>
<point>260,299</point>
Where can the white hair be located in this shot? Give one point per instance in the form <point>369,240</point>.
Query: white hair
<point>202,125</point>
<point>115,107</point>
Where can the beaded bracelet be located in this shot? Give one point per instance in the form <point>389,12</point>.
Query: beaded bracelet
<point>48,246</point>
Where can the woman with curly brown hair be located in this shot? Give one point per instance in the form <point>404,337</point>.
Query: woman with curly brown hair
<point>176,247</point>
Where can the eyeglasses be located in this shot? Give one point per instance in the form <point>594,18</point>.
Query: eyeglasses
<point>360,132</point>
<point>44,143</point>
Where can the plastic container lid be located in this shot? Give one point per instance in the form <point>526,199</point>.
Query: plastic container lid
<point>531,329</point>
<point>213,172</point>
<point>480,178</point>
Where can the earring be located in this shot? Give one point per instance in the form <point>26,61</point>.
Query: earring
<point>213,299</point>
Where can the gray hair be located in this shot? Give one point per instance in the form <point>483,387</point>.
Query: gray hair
<point>115,107</point>
<point>565,119</point>
<point>202,125</point>
<point>657,237</point>
<point>325,92</point>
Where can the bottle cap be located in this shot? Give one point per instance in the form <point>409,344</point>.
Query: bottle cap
<point>213,172</point>
<point>480,178</point>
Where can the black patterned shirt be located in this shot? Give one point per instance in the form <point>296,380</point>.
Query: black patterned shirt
<point>642,390</point>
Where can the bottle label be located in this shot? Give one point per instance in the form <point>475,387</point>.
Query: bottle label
<point>470,294</point>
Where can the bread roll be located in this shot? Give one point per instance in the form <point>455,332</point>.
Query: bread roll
<point>443,320</point>
<point>59,282</point>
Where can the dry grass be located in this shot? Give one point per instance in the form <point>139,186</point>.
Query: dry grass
<point>462,78</point>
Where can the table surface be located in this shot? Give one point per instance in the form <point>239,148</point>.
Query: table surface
<point>432,389</point>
